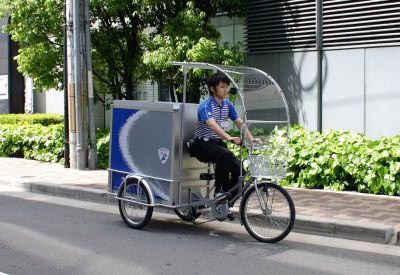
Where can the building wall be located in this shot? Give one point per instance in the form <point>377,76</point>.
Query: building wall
<point>50,102</point>
<point>359,42</point>
<point>4,108</point>
<point>360,91</point>
<point>296,74</point>
<point>382,91</point>
<point>231,29</point>
<point>16,83</point>
<point>11,81</point>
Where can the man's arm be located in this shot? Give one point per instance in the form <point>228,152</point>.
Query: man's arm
<point>239,124</point>
<point>220,132</point>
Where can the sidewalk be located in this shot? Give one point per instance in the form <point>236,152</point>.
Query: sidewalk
<point>338,214</point>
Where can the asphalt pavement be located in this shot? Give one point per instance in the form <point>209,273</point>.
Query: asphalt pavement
<point>43,234</point>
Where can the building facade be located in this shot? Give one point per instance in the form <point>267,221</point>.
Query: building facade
<point>337,61</point>
<point>12,83</point>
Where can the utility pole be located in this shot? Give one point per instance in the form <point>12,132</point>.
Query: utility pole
<point>319,5</point>
<point>75,94</point>
<point>80,155</point>
<point>80,86</point>
<point>71,85</point>
<point>92,158</point>
<point>65,86</point>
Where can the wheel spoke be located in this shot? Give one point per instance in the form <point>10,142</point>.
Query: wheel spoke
<point>279,216</point>
<point>134,214</point>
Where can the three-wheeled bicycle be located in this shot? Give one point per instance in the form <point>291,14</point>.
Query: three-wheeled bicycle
<point>150,164</point>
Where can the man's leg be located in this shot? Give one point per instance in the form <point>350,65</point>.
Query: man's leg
<point>234,168</point>
<point>226,163</point>
<point>210,151</point>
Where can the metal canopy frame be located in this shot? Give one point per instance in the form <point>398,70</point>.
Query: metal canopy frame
<point>229,71</point>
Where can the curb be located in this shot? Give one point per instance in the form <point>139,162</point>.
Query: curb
<point>360,231</point>
<point>367,232</point>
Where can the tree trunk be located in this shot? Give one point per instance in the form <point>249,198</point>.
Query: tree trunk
<point>128,80</point>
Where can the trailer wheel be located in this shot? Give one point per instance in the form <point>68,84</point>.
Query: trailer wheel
<point>133,213</point>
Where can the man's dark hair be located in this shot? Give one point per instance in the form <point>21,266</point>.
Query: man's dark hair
<point>215,79</point>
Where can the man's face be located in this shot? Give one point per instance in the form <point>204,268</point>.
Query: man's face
<point>221,90</point>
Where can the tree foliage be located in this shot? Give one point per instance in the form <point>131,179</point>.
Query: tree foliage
<point>37,27</point>
<point>197,41</point>
<point>127,37</point>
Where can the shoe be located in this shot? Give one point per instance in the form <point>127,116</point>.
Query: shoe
<point>222,197</point>
<point>196,196</point>
<point>231,216</point>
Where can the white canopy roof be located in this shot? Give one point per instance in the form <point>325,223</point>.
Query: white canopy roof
<point>262,99</point>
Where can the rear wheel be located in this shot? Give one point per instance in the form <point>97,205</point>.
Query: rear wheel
<point>273,223</point>
<point>132,212</point>
<point>187,213</point>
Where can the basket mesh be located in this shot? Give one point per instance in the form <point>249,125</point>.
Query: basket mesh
<point>265,167</point>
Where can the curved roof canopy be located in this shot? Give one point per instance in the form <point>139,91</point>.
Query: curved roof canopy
<point>262,99</point>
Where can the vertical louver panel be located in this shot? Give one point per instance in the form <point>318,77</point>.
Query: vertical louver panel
<point>277,25</point>
<point>358,23</point>
<point>274,25</point>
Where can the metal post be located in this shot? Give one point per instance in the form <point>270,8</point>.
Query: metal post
<point>92,128</point>
<point>65,84</point>
<point>319,66</point>
<point>71,85</point>
<point>80,162</point>
<point>184,83</point>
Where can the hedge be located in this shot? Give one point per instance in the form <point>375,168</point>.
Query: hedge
<point>340,160</point>
<point>43,119</point>
<point>334,159</point>
<point>37,142</point>
<point>45,143</point>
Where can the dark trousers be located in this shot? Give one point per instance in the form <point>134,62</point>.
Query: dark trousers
<point>227,166</point>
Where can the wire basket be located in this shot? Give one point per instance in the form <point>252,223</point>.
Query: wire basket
<point>266,167</point>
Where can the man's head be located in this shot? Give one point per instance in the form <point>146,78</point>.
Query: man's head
<point>218,85</point>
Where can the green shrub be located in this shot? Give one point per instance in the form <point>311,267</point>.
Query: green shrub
<point>102,138</point>
<point>44,143</point>
<point>341,160</point>
<point>43,119</point>
<point>37,142</point>
<point>337,160</point>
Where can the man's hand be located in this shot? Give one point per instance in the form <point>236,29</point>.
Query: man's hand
<point>235,140</point>
<point>256,142</point>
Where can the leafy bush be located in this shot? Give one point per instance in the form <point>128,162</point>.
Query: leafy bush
<point>45,143</point>
<point>103,138</point>
<point>37,142</point>
<point>341,160</point>
<point>43,119</point>
<point>337,160</point>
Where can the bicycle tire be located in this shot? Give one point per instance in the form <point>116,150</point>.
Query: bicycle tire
<point>188,217</point>
<point>276,216</point>
<point>132,221</point>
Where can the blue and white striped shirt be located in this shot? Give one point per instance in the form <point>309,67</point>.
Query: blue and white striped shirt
<point>210,108</point>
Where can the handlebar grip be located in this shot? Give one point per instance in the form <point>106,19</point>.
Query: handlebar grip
<point>240,144</point>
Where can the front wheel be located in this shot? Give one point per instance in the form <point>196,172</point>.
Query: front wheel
<point>276,220</point>
<point>134,214</point>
